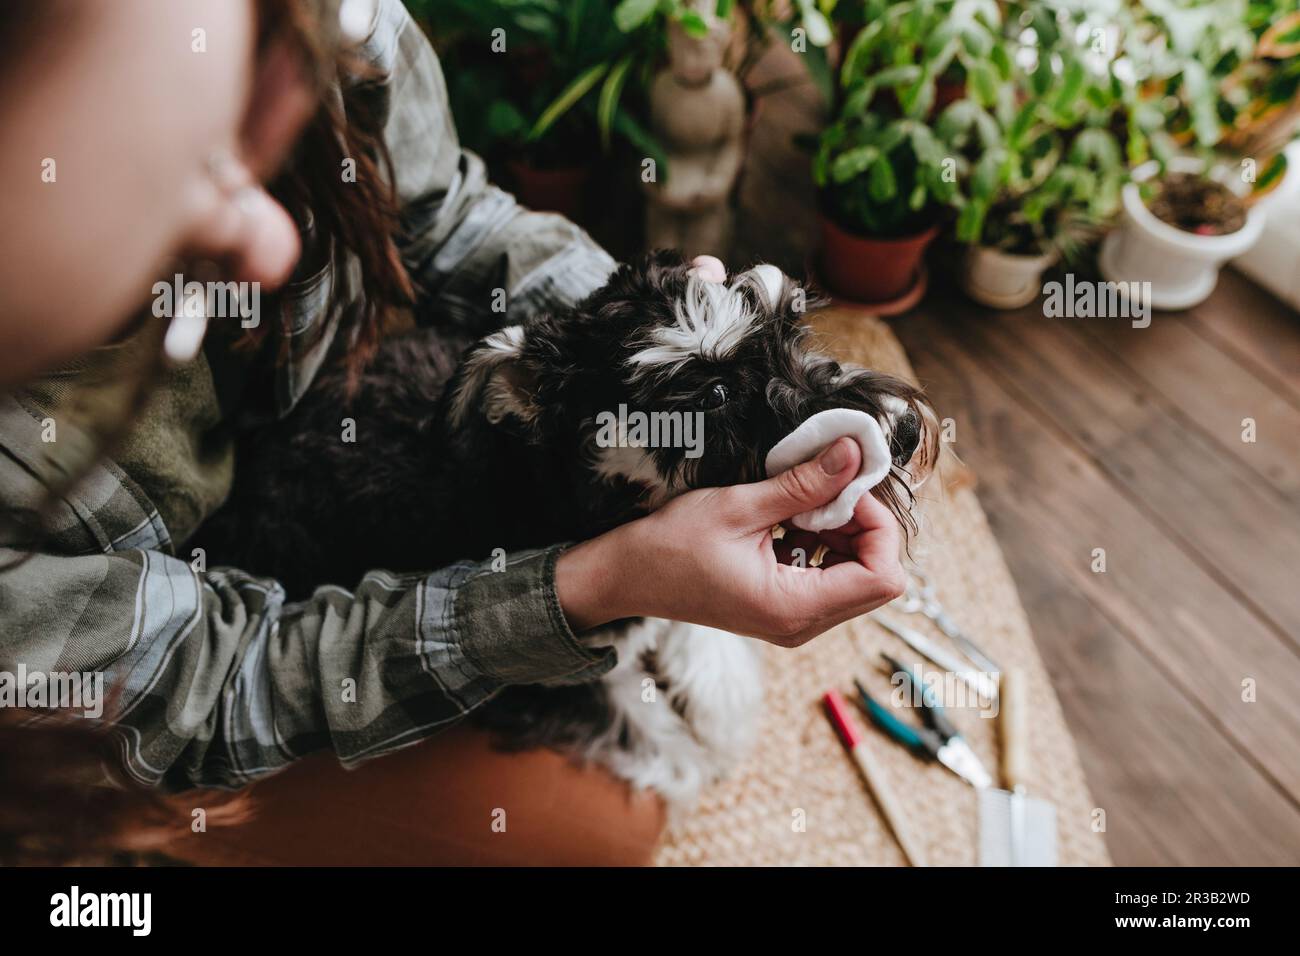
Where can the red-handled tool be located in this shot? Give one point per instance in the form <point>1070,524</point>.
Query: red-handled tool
<point>838,712</point>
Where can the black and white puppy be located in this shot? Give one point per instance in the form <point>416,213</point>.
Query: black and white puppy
<point>511,448</point>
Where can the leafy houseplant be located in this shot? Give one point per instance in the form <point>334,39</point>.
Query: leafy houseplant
<point>952,42</point>
<point>1224,79</point>
<point>886,179</point>
<point>1047,175</point>
<point>539,85</point>
<point>755,25</point>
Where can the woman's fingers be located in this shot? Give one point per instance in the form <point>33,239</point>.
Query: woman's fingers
<point>861,572</point>
<point>876,546</point>
<point>839,590</point>
<point>840,541</point>
<point>709,268</point>
<point>758,506</point>
<point>270,246</point>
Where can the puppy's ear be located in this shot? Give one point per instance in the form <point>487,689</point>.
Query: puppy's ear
<point>495,382</point>
<point>768,278</point>
<point>778,293</point>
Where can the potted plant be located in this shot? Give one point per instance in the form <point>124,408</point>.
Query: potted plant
<point>883,190</point>
<point>1046,177</point>
<point>1231,71</point>
<point>754,24</point>
<point>538,87</point>
<point>885,179</point>
<point>1182,221</point>
<point>954,42</point>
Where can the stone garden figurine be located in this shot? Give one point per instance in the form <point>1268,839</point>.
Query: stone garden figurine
<point>697,111</point>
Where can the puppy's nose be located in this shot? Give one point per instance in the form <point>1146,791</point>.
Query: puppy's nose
<point>905,437</point>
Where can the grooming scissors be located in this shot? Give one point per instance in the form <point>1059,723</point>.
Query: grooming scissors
<point>937,738</point>
<point>920,598</point>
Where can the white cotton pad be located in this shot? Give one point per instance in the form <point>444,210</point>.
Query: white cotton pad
<point>815,434</point>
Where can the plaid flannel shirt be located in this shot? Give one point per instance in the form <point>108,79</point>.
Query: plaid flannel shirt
<point>212,678</point>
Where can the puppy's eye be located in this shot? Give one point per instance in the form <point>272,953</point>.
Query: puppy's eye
<point>714,397</point>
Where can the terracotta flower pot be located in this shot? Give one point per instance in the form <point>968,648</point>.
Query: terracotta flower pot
<point>872,271</point>
<point>561,190</point>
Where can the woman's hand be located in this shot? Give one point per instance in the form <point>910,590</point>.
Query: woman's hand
<point>708,558</point>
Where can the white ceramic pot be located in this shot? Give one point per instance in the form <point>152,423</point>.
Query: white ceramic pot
<point>1003,280</point>
<point>1182,268</point>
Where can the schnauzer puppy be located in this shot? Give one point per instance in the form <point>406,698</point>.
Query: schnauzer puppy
<point>525,443</point>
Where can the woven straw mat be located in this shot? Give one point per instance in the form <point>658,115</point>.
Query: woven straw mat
<point>799,800</point>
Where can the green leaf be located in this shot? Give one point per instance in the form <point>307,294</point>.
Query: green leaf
<point>918,98</point>
<point>504,121</point>
<point>892,136</point>
<point>642,141</point>
<point>1203,101</point>
<point>1044,24</point>
<point>631,14</point>
<point>1273,172</point>
<point>1021,125</point>
<point>610,91</point>
<point>694,24</point>
<point>819,71</point>
<point>855,59</point>
<point>818,27</point>
<point>1096,147</point>
<point>860,98</point>
<point>977,41</point>
<point>882,185</point>
<point>898,75</point>
<point>943,36</point>
<point>984,81</point>
<point>1040,80</point>
<point>955,123</point>
<point>853,163</point>
<point>1071,86</point>
<point>1002,60</point>
<point>579,87</point>
<point>988,175</point>
<point>970,222</point>
<point>928,149</point>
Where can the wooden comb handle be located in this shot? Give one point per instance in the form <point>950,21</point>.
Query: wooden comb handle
<point>1013,699</point>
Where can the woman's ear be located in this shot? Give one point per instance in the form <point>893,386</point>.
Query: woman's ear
<point>495,382</point>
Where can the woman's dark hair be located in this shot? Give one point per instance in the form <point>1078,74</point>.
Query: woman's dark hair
<point>361,217</point>
<point>63,797</point>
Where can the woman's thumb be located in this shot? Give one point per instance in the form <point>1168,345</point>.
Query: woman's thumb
<point>806,486</point>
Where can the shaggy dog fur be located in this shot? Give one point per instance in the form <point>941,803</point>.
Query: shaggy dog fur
<point>452,461</point>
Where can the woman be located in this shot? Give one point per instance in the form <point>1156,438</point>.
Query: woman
<point>140,133</point>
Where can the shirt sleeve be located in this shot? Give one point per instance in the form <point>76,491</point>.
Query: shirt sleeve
<point>469,245</point>
<point>210,679</point>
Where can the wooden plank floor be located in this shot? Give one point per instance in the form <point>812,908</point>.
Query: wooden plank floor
<point>1087,434</point>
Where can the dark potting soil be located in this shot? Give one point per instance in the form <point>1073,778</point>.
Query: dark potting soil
<point>1198,205</point>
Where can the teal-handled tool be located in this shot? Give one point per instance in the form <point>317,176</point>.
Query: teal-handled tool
<point>937,740</point>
